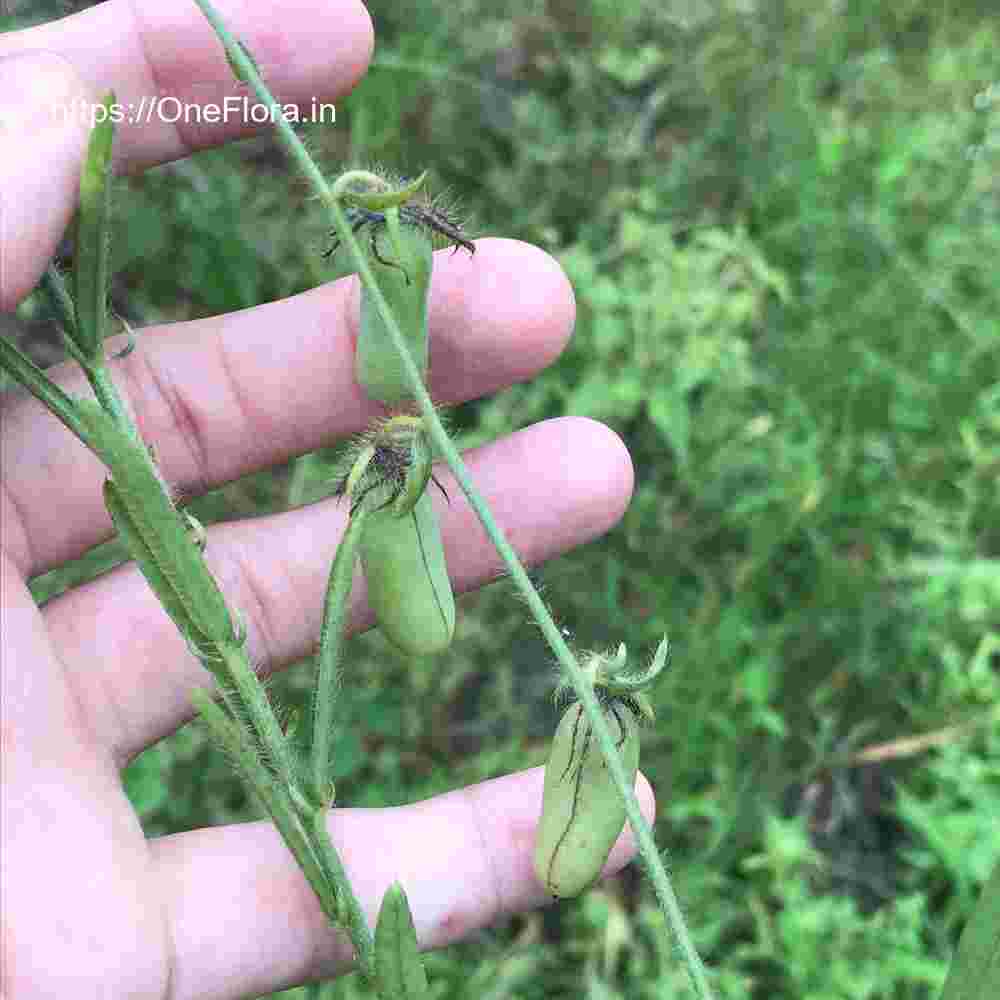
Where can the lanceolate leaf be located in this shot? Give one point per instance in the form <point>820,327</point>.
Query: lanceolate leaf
<point>145,560</point>
<point>160,540</point>
<point>22,369</point>
<point>975,969</point>
<point>90,275</point>
<point>64,307</point>
<point>393,197</point>
<point>399,973</point>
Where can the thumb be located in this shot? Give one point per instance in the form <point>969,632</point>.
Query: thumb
<point>44,126</point>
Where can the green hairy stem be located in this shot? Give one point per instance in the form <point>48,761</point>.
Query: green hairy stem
<point>395,274</point>
<point>644,837</point>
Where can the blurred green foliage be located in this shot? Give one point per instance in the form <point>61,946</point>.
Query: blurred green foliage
<point>782,222</point>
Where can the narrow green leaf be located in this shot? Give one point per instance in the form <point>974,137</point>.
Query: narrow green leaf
<point>349,913</point>
<point>173,561</point>
<point>90,274</point>
<point>399,973</point>
<point>59,297</point>
<point>63,306</point>
<point>379,200</point>
<point>242,751</point>
<point>975,969</point>
<point>419,475</point>
<point>147,563</point>
<point>23,370</point>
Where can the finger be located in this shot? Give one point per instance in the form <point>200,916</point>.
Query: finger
<point>221,397</point>
<point>163,62</point>
<point>551,487</point>
<point>40,156</point>
<point>244,921</point>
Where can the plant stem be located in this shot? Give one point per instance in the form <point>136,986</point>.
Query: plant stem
<point>584,690</point>
<point>93,363</point>
<point>62,304</point>
<point>581,685</point>
<point>108,396</point>
<point>253,699</point>
<point>301,823</point>
<point>275,800</point>
<point>248,72</point>
<point>331,638</point>
<point>350,912</point>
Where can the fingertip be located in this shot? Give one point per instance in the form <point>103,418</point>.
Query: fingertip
<point>532,284</point>
<point>364,31</point>
<point>542,284</point>
<point>603,464</point>
<point>43,104</point>
<point>322,62</point>
<point>497,317</point>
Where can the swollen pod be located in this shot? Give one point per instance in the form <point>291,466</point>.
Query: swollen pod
<point>408,585</point>
<point>582,812</point>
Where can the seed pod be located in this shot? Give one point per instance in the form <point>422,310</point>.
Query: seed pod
<point>401,257</point>
<point>582,812</point>
<point>408,585</point>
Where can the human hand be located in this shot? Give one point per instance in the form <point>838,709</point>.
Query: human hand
<point>90,907</point>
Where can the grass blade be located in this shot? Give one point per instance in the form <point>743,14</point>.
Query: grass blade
<point>975,969</point>
<point>399,972</point>
<point>90,273</point>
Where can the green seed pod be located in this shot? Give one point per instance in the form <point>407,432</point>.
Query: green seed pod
<point>408,585</point>
<point>582,812</point>
<point>403,274</point>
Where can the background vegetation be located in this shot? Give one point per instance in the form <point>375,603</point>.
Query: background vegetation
<point>780,218</point>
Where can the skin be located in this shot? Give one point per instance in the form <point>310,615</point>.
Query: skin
<point>91,908</point>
